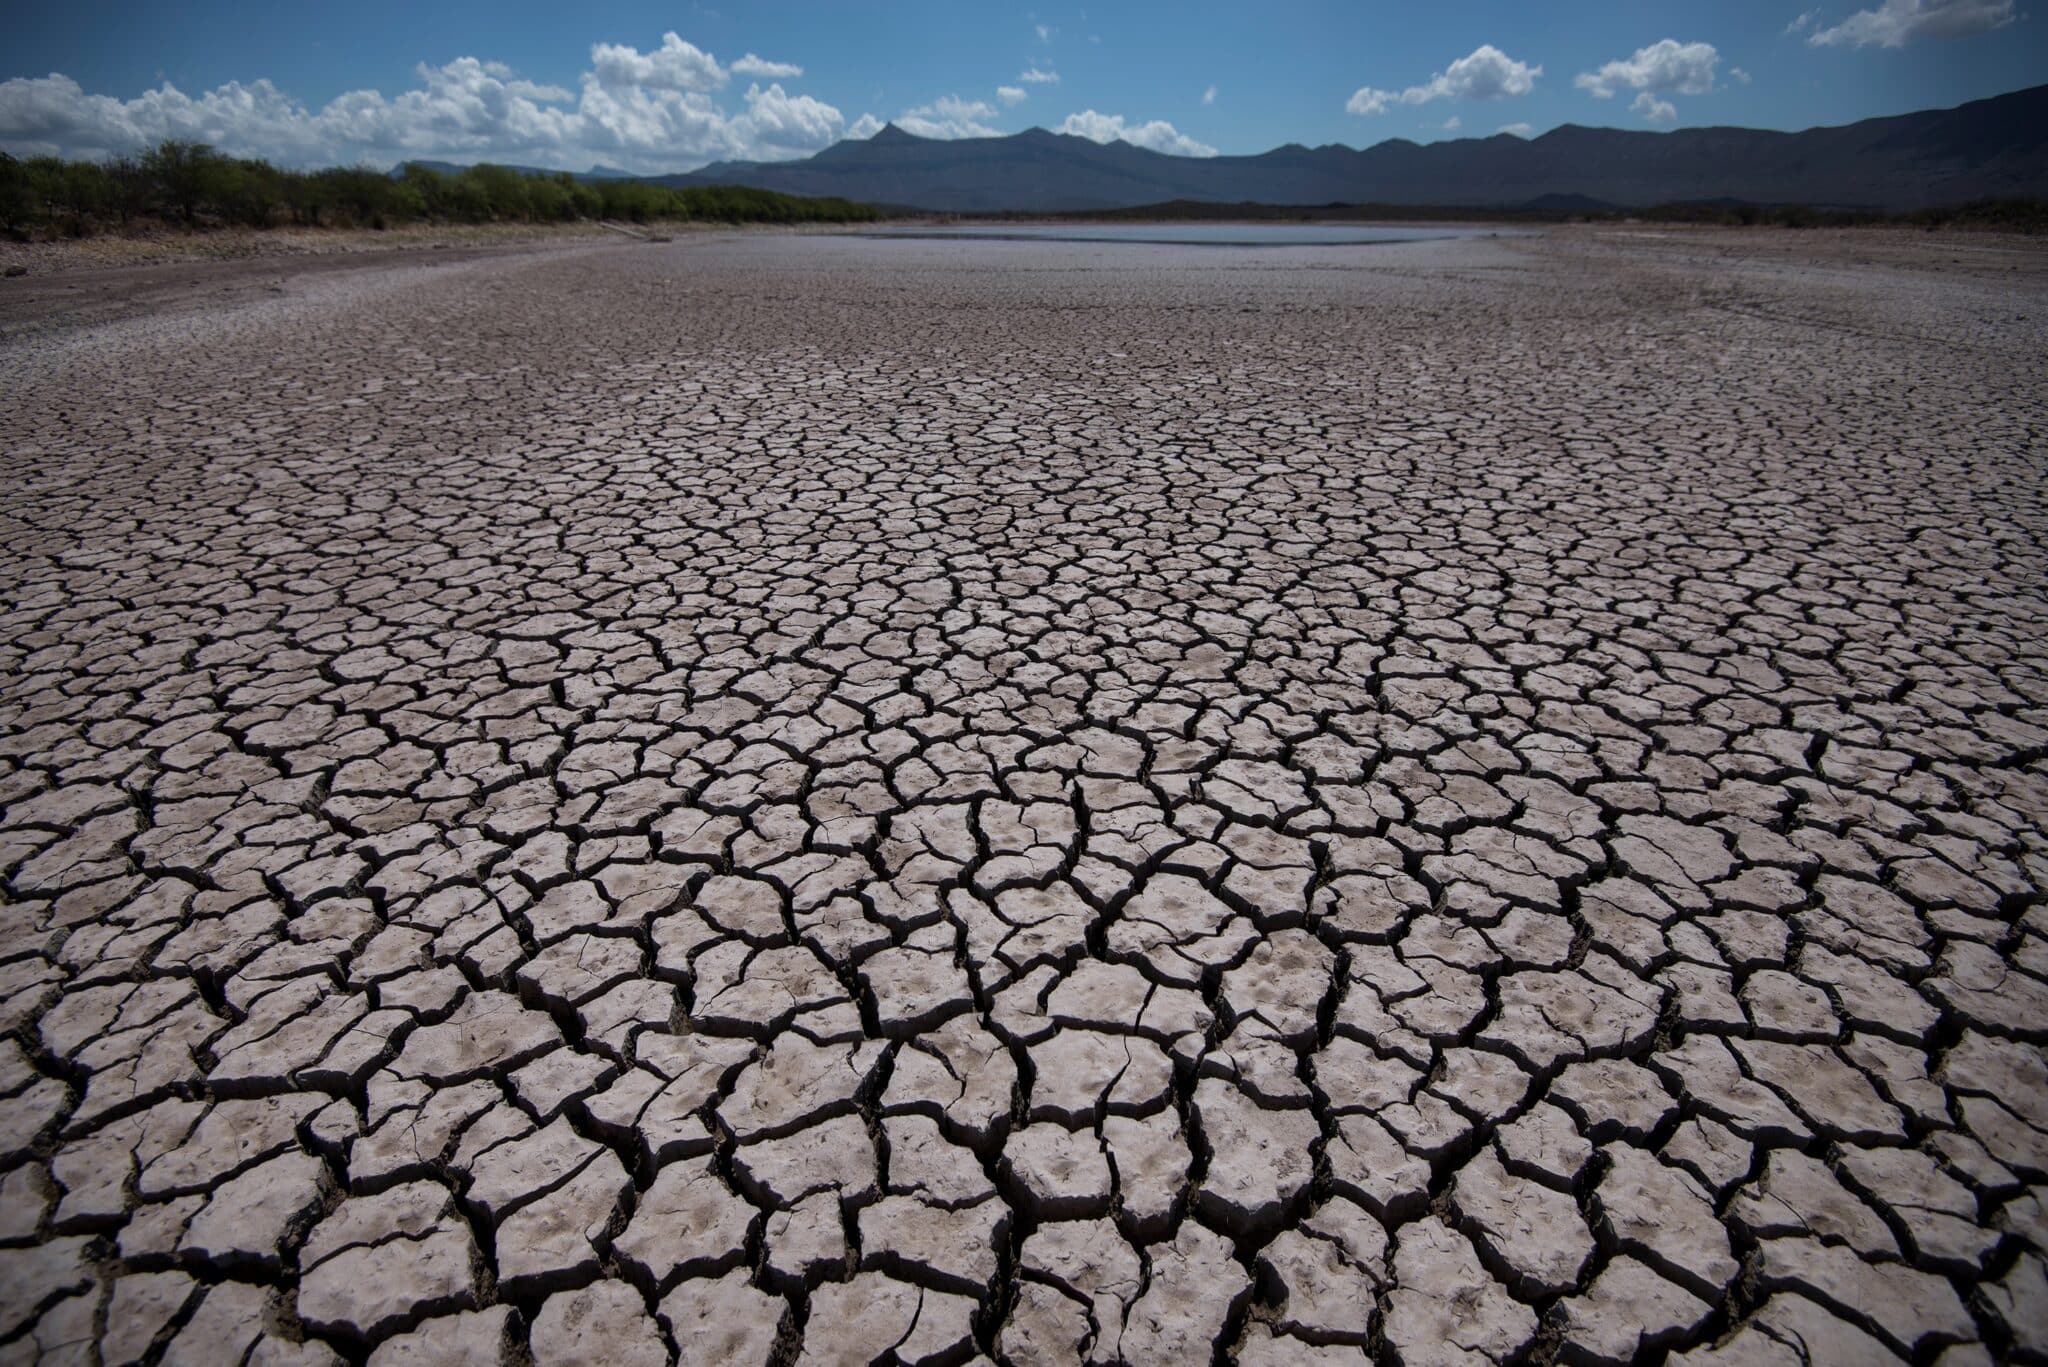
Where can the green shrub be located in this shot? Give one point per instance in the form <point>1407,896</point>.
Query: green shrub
<point>192,184</point>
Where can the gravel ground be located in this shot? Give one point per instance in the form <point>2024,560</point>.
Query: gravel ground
<point>806,799</point>
<point>68,255</point>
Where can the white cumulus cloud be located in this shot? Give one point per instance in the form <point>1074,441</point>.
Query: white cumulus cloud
<point>750,65</point>
<point>1666,67</point>
<point>1898,22</point>
<point>1032,75</point>
<point>949,116</point>
<point>53,114</point>
<point>1486,73</point>
<point>1012,94</point>
<point>779,124</point>
<point>675,65</point>
<point>649,111</point>
<point>1453,124</point>
<point>1158,135</point>
<point>1654,109</point>
<point>1209,95</point>
<point>866,126</point>
<point>1519,130</point>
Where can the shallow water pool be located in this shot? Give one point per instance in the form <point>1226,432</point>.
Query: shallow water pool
<point>1187,234</point>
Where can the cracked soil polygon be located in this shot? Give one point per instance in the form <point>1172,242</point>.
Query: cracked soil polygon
<point>796,798</point>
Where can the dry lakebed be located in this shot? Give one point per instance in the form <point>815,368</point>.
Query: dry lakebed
<point>829,798</point>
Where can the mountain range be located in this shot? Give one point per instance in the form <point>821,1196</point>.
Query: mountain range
<point>1992,148</point>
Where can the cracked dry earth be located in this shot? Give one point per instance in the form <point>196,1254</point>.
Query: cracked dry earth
<point>806,799</point>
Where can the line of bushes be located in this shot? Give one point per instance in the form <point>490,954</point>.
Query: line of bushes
<point>193,185</point>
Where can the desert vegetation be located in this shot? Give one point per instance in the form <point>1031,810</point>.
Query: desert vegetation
<point>194,186</point>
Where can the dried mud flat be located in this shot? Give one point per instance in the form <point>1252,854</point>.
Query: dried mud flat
<point>806,799</point>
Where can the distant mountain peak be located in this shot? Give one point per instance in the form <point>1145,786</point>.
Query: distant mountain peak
<point>1987,149</point>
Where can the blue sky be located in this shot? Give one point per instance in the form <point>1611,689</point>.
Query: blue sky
<point>670,86</point>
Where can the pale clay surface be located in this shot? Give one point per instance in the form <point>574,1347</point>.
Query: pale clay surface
<point>799,799</point>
